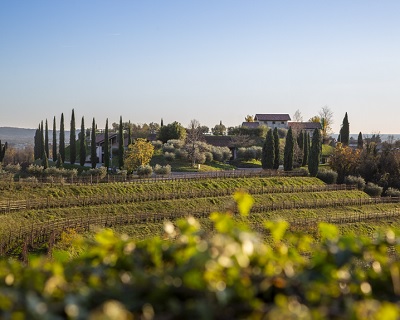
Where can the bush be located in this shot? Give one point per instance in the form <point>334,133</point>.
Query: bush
<point>178,144</point>
<point>209,157</point>
<point>373,190</point>
<point>157,144</point>
<point>355,181</point>
<point>97,172</point>
<point>169,156</point>
<point>303,172</point>
<point>200,157</point>
<point>12,168</point>
<point>181,154</point>
<point>144,171</point>
<point>162,170</point>
<point>217,154</point>
<point>35,170</point>
<point>168,147</point>
<point>327,176</point>
<point>392,192</point>
<point>53,172</point>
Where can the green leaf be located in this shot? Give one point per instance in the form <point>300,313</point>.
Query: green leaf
<point>244,202</point>
<point>277,229</point>
<point>328,231</point>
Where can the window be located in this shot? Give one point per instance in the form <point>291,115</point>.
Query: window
<point>282,122</point>
<point>273,122</point>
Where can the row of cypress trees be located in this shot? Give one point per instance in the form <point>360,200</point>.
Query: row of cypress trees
<point>311,152</point>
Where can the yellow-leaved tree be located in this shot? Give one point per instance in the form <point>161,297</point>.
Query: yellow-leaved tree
<point>138,154</point>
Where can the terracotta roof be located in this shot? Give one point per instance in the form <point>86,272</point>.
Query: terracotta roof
<point>272,117</point>
<point>305,125</point>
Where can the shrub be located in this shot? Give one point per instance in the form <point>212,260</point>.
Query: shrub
<point>327,176</point>
<point>12,168</point>
<point>157,144</point>
<point>144,171</point>
<point>35,170</point>
<point>70,173</point>
<point>355,181</point>
<point>178,144</point>
<point>217,154</point>
<point>97,172</point>
<point>168,147</point>
<point>162,170</point>
<point>373,190</point>
<point>53,172</point>
<point>209,157</point>
<point>181,154</point>
<point>303,172</point>
<point>392,192</point>
<point>169,156</point>
<point>200,157</point>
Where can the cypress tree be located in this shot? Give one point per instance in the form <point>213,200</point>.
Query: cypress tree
<point>162,123</point>
<point>129,133</point>
<point>41,141</point>
<point>46,139</point>
<point>289,151</point>
<point>82,144</point>
<point>345,131</point>
<point>62,138</point>
<point>3,149</point>
<point>59,163</point>
<point>54,140</point>
<point>300,140</point>
<point>277,149</point>
<point>268,153</point>
<point>36,147</point>
<point>360,141</point>
<point>72,139</point>
<point>121,150</point>
<point>306,148</point>
<point>93,154</point>
<point>315,152</point>
<point>106,148</point>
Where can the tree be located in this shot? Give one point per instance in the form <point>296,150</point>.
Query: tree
<point>93,154</point>
<point>54,152</point>
<point>121,147</point>
<point>360,142</point>
<point>82,144</point>
<point>268,151</point>
<point>193,136</point>
<point>42,149</point>
<point>106,147</point>
<point>315,153</point>
<point>36,147</point>
<point>345,161</point>
<point>138,154</point>
<point>3,149</point>
<point>72,139</point>
<point>326,116</point>
<point>297,116</point>
<point>129,133</point>
<point>345,131</point>
<point>219,129</point>
<point>46,139</point>
<point>300,139</point>
<point>288,151</point>
<point>249,118</point>
<point>62,138</point>
<point>59,163</point>
<point>306,148</point>
<point>172,131</point>
<point>277,149</point>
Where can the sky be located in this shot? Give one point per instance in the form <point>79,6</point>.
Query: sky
<point>212,61</point>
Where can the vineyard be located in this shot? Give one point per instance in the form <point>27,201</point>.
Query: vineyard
<point>37,214</point>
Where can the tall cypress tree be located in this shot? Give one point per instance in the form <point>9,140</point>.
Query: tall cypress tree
<point>277,149</point>
<point>315,152</point>
<point>306,148</point>
<point>129,133</point>
<point>46,139</point>
<point>72,139</point>
<point>54,140</point>
<point>106,148</point>
<point>36,147</point>
<point>300,139</point>
<point>345,131</point>
<point>82,144</point>
<point>121,150</point>
<point>62,138</point>
<point>42,150</point>
<point>289,151</point>
<point>93,154</point>
<point>268,153</point>
<point>360,141</point>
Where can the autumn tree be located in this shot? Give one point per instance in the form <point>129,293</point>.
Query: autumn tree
<point>138,154</point>
<point>249,118</point>
<point>345,161</point>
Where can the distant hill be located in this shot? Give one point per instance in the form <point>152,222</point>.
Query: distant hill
<point>21,137</point>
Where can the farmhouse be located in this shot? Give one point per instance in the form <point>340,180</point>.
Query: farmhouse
<point>273,120</point>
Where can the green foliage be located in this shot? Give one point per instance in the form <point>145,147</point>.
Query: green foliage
<point>392,192</point>
<point>355,181</point>
<point>360,141</point>
<point>268,151</point>
<point>171,131</point>
<point>62,138</point>
<point>144,171</point>
<point>121,145</point>
<point>315,153</point>
<point>72,139</point>
<point>288,151</point>
<point>106,147</point>
<point>229,274</point>
<point>327,176</point>
<point>82,144</point>
<point>277,149</point>
<point>54,144</point>
<point>306,148</point>
<point>162,170</point>
<point>345,131</point>
<point>373,190</point>
<point>93,153</point>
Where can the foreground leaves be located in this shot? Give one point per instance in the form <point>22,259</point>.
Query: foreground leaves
<point>189,274</point>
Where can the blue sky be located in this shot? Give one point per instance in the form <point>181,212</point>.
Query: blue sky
<point>205,60</point>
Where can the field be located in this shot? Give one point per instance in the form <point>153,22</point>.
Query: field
<point>38,213</point>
